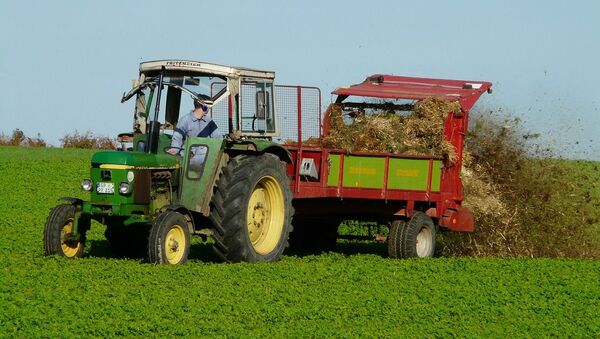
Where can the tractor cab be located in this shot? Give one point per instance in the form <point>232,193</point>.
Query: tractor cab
<point>240,100</point>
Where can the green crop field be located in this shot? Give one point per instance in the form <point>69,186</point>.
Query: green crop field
<point>355,292</point>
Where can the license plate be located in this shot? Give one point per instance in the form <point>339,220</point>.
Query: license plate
<point>105,187</point>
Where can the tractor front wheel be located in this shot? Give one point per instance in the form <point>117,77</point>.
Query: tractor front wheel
<point>58,231</point>
<point>252,209</point>
<point>412,239</point>
<point>169,240</point>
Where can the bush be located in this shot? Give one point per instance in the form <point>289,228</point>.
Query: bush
<point>87,140</point>
<point>18,138</point>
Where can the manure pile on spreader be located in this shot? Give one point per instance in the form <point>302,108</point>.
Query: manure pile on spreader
<point>417,133</point>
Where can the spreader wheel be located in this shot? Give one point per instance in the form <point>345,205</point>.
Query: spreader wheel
<point>58,231</point>
<point>169,240</point>
<point>413,239</point>
<point>251,209</point>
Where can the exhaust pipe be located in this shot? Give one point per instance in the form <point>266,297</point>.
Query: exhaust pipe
<point>154,130</point>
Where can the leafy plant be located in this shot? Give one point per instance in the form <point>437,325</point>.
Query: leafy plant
<point>339,294</point>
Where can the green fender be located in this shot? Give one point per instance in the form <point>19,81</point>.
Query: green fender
<point>254,146</point>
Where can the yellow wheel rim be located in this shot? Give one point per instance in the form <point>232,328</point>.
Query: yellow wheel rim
<point>265,215</point>
<point>69,248</point>
<point>175,244</point>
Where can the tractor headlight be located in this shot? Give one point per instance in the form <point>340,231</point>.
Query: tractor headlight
<point>86,185</point>
<point>124,188</point>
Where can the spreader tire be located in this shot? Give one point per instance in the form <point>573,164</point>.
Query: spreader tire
<point>413,239</point>
<point>59,226</point>
<point>394,236</point>
<point>251,209</point>
<point>169,240</point>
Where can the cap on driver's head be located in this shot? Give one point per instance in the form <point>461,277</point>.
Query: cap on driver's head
<point>199,104</point>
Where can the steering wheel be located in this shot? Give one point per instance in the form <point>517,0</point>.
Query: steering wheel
<point>179,149</point>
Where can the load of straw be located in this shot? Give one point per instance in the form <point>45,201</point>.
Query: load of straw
<point>419,133</point>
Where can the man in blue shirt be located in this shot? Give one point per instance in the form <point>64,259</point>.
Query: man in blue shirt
<point>196,124</point>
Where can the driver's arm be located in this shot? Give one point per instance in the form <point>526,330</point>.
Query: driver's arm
<point>179,137</point>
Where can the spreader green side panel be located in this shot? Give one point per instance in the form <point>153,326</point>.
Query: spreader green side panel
<point>334,170</point>
<point>412,174</point>
<point>369,172</point>
<point>363,172</point>
<point>436,175</point>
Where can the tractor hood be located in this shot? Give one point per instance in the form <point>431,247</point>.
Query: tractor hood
<point>125,160</point>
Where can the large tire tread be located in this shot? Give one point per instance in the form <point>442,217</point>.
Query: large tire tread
<point>395,228</point>
<point>228,207</point>
<point>402,239</point>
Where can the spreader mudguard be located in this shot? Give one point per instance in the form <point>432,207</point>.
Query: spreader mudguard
<point>458,220</point>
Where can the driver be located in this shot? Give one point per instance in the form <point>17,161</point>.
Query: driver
<point>196,124</point>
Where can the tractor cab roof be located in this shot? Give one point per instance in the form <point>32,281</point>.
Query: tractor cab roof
<point>205,68</point>
<point>150,71</point>
<point>466,92</point>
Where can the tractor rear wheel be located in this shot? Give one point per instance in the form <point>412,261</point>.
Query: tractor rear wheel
<point>169,240</point>
<point>251,209</point>
<point>412,239</point>
<point>57,232</point>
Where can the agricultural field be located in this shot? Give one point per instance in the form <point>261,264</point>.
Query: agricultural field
<point>355,291</point>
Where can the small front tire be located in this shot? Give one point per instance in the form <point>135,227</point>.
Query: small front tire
<point>58,231</point>
<point>169,240</point>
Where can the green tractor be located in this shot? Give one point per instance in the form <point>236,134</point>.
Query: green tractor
<point>234,188</point>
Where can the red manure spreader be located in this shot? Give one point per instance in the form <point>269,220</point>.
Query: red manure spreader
<point>409,193</point>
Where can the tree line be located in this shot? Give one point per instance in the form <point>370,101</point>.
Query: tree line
<point>69,140</point>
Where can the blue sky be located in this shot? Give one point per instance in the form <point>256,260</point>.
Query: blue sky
<point>65,64</point>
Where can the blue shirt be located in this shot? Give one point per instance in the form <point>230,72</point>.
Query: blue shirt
<point>189,125</point>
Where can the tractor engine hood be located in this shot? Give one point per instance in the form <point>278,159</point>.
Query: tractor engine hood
<point>130,160</point>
